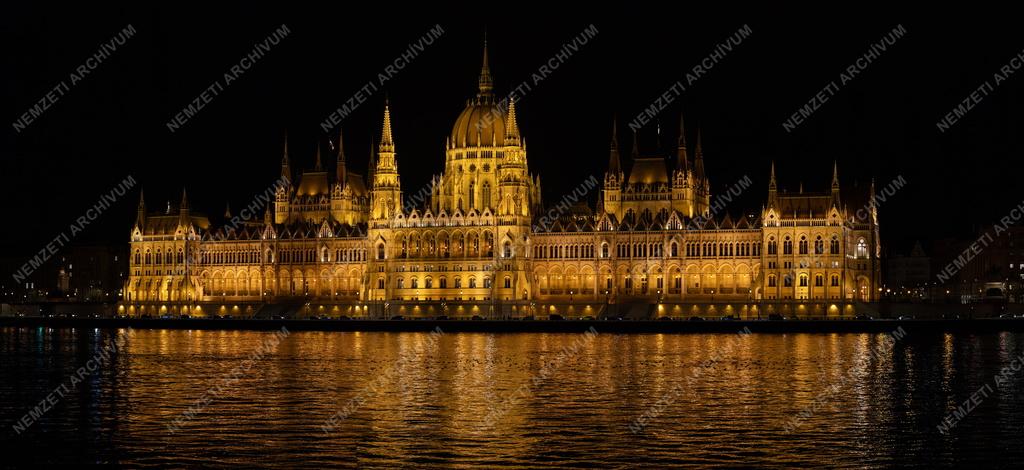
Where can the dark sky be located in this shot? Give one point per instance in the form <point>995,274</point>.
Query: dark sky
<point>881,124</point>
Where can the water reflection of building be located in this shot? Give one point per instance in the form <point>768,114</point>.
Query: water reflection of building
<point>655,236</point>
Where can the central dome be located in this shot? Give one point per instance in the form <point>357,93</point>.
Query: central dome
<point>481,124</point>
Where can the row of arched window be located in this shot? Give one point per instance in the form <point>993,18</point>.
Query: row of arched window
<point>442,283</point>
<point>819,246</point>
<point>159,257</point>
<point>585,250</point>
<point>787,280</point>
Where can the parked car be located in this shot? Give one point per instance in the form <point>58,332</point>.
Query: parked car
<point>905,317</point>
<point>775,317</point>
<point>278,317</point>
<point>529,318</point>
<point>398,317</point>
<point>664,318</point>
<point>587,318</point>
<point>477,317</point>
<point>344,317</point>
<point>613,318</point>
<point>695,318</point>
<point>727,317</point>
<point>864,317</point>
<point>441,317</point>
<point>555,316</point>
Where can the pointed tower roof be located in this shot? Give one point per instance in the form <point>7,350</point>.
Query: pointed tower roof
<point>698,164</point>
<point>636,145</point>
<point>835,175</point>
<point>286,169</point>
<point>682,159</point>
<point>140,218</point>
<point>318,166</point>
<point>227,210</point>
<point>387,144</point>
<point>614,165</point>
<point>184,200</point>
<point>486,83</point>
<point>771,179</point>
<point>511,126</point>
<point>342,170</point>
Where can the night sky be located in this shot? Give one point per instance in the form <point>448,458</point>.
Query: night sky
<point>882,124</point>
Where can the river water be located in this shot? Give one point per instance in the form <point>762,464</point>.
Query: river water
<point>458,400</point>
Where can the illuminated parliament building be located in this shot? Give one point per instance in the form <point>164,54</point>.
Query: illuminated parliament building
<point>343,243</point>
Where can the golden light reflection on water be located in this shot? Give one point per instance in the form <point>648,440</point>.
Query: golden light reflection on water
<point>423,402</point>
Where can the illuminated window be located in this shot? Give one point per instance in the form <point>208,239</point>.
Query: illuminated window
<point>508,282</point>
<point>862,248</point>
<point>380,251</point>
<point>803,280</point>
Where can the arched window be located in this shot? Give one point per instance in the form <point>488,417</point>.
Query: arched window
<point>674,250</point>
<point>159,257</point>
<point>787,281</point>
<point>835,280</point>
<point>508,282</point>
<point>415,283</point>
<point>149,257</point>
<point>472,195</point>
<point>833,246</point>
<point>380,251</point>
<point>819,280</point>
<point>787,246</point>
<point>773,246</point>
<point>862,248</point>
<point>472,282</point>
<point>430,283</point>
<point>803,245</point>
<point>604,250</point>
<point>507,250</point>
<point>803,280</point>
<point>819,246</point>
<point>401,283</point>
<point>444,283</point>
<point>487,283</point>
<point>138,257</point>
<point>458,283</point>
<point>771,281</point>
<point>486,196</point>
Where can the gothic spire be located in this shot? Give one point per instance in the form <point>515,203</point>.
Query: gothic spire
<point>318,166</point>
<point>486,83</point>
<point>386,142</point>
<point>636,145</point>
<point>342,175</point>
<point>140,218</point>
<point>286,169</point>
<point>682,159</point>
<point>614,165</point>
<point>511,126</point>
<point>698,165</point>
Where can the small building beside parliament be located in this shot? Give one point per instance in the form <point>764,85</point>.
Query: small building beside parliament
<point>657,243</point>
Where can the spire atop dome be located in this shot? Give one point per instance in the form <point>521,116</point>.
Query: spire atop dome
<point>486,82</point>
<point>141,215</point>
